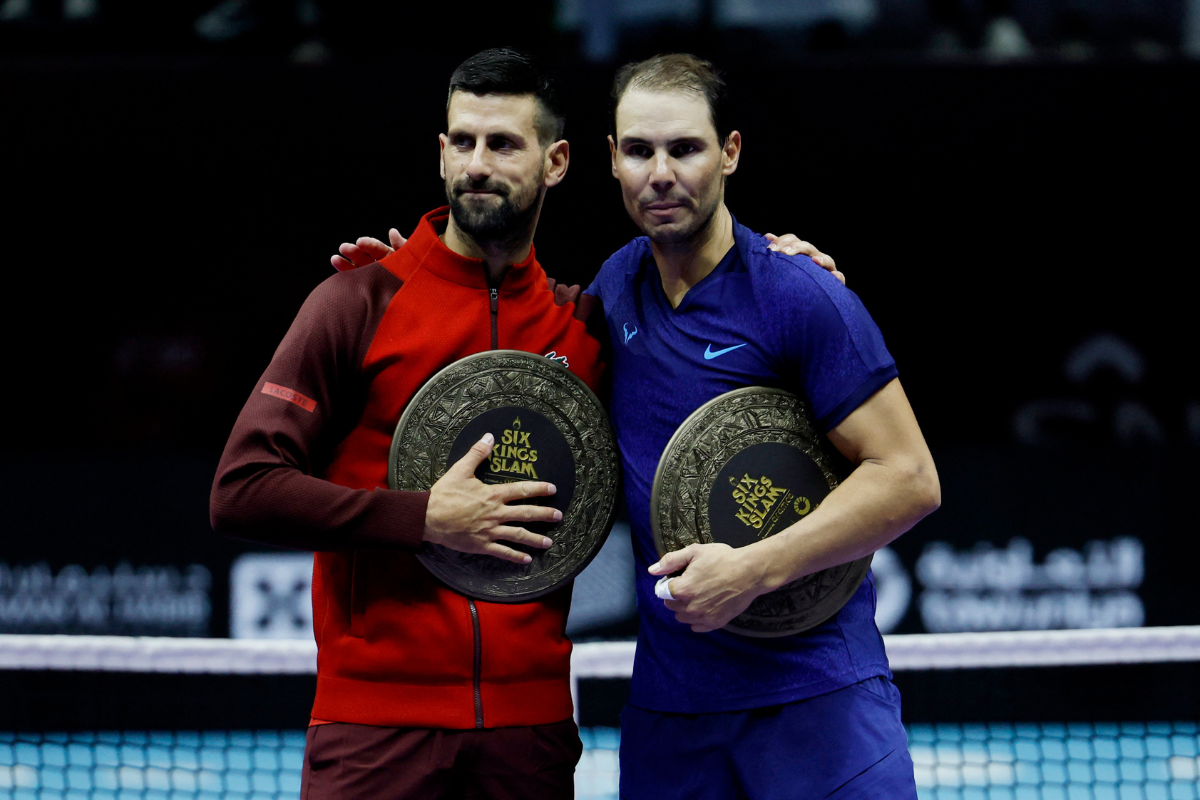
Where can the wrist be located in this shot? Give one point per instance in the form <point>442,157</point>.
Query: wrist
<point>772,565</point>
<point>757,568</point>
<point>433,524</point>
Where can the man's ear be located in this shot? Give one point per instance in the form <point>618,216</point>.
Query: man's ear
<point>730,153</point>
<point>558,158</point>
<point>442,141</point>
<point>612,151</point>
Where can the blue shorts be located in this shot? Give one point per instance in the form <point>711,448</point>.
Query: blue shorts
<point>848,744</point>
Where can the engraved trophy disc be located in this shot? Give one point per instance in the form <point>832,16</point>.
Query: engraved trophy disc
<point>548,426</point>
<point>743,466</point>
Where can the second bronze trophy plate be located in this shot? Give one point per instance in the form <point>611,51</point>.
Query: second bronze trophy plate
<point>548,426</point>
<point>742,467</point>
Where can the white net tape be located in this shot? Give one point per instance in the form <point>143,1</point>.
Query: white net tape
<point>158,654</point>
<point>613,659</point>
<point>1043,648</point>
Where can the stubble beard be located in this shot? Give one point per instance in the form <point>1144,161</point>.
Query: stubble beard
<point>493,222</point>
<point>686,231</point>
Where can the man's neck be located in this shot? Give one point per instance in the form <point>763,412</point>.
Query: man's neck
<point>684,264</point>
<point>498,255</point>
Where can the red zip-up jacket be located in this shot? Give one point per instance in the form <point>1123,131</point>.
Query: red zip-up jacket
<point>306,466</point>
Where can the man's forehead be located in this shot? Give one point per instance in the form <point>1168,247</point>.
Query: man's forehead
<point>669,113</point>
<point>492,110</point>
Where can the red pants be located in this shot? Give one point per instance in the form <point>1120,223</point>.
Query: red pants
<point>344,762</point>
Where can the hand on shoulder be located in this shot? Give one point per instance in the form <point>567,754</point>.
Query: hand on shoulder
<point>365,250</point>
<point>792,245</point>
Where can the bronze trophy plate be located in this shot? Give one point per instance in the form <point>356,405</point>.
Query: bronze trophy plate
<point>743,466</point>
<point>548,426</point>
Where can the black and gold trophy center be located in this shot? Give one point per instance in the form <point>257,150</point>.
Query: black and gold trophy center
<point>548,426</point>
<point>745,466</point>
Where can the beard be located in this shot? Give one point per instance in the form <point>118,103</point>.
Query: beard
<point>685,230</point>
<point>499,218</point>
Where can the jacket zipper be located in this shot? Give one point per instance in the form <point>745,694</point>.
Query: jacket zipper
<point>478,663</point>
<point>495,298</point>
<point>494,305</point>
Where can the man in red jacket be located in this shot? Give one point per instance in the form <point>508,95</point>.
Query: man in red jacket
<point>422,692</point>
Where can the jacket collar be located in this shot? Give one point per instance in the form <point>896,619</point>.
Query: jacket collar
<point>426,250</point>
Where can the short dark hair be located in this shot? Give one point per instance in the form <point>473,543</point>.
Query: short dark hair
<point>675,72</point>
<point>504,70</point>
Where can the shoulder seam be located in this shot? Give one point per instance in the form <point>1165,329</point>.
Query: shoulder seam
<point>379,285</point>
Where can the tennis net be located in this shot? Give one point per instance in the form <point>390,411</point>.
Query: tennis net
<point>1021,716</point>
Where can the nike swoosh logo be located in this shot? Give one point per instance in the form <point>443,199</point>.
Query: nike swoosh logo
<point>710,354</point>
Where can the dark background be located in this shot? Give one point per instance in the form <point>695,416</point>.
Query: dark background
<point>171,205</point>
<point>65,701</point>
<point>168,217</point>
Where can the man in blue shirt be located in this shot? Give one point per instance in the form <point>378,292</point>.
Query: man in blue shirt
<point>698,307</point>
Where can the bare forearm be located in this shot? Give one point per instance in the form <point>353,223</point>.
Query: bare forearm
<point>873,506</point>
<point>894,486</point>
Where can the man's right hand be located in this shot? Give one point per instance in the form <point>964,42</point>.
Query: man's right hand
<point>468,515</point>
<point>366,251</point>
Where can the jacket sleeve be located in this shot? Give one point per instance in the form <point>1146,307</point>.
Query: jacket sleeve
<point>308,399</point>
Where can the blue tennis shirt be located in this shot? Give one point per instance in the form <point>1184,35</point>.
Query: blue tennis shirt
<point>760,318</point>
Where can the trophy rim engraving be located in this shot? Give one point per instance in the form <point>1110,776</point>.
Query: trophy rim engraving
<point>470,386</point>
<point>843,580</point>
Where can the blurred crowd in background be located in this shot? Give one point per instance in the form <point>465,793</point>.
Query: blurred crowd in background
<point>315,31</point>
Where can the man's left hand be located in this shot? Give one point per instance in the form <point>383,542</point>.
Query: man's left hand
<point>718,583</point>
<point>792,245</point>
